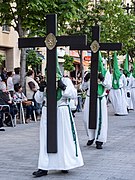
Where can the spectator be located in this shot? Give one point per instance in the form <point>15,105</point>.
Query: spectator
<point>20,97</point>
<point>4,73</point>
<point>10,85</point>
<point>16,76</point>
<point>6,99</point>
<point>31,89</point>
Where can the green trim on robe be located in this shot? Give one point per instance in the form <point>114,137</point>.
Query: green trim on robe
<point>100,117</point>
<point>116,72</point>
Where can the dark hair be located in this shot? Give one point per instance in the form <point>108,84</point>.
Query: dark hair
<point>9,73</point>
<point>17,70</point>
<point>17,86</point>
<point>30,72</point>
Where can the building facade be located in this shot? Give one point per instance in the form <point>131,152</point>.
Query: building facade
<point>9,47</point>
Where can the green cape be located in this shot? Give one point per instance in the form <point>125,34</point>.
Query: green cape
<point>101,69</point>
<point>58,76</point>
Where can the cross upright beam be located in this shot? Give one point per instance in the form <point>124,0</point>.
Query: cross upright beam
<point>52,41</point>
<point>95,47</point>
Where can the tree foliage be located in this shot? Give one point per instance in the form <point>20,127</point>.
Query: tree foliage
<point>32,59</point>
<point>68,64</point>
<point>116,25</point>
<point>2,58</point>
<point>74,17</point>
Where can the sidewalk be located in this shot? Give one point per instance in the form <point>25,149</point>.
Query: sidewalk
<point>19,149</point>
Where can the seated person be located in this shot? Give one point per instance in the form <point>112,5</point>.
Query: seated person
<point>20,97</point>
<point>5,99</point>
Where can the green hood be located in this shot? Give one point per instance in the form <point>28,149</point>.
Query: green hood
<point>116,72</point>
<point>126,66</point>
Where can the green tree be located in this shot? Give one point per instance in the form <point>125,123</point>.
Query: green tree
<point>28,18</point>
<point>116,25</point>
<point>2,58</point>
<point>68,64</point>
<point>33,59</point>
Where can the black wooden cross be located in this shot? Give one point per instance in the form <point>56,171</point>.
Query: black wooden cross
<point>51,42</point>
<point>95,47</point>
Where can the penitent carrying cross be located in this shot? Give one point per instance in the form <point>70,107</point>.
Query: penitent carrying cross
<point>95,47</point>
<point>52,41</point>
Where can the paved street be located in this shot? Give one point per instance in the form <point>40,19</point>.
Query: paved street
<point>19,149</point>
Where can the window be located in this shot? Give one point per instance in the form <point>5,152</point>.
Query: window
<point>5,28</point>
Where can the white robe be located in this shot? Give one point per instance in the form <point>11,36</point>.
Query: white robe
<point>118,97</point>
<point>66,157</point>
<point>100,134</point>
<point>128,90</point>
<point>133,91</point>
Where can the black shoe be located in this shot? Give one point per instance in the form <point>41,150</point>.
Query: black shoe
<point>9,124</point>
<point>117,115</point>
<point>90,142</point>
<point>2,129</point>
<point>40,173</point>
<point>65,171</point>
<point>99,145</point>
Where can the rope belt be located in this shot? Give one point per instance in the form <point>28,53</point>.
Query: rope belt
<point>100,116</point>
<point>72,127</point>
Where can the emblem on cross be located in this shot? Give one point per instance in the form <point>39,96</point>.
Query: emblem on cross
<point>50,41</point>
<point>94,46</point>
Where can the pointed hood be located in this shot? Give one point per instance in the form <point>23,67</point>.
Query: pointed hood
<point>116,72</point>
<point>126,66</point>
<point>101,67</point>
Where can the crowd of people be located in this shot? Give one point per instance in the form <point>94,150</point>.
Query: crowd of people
<point>11,96</point>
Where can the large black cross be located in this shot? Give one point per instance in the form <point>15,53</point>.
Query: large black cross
<point>95,47</point>
<point>51,42</point>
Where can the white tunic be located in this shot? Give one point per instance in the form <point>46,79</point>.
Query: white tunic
<point>100,134</point>
<point>133,91</point>
<point>128,92</point>
<point>118,97</point>
<point>66,157</point>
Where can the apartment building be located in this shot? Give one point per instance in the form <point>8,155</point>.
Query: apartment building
<point>9,47</point>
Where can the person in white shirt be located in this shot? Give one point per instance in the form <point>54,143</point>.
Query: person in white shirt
<point>10,85</point>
